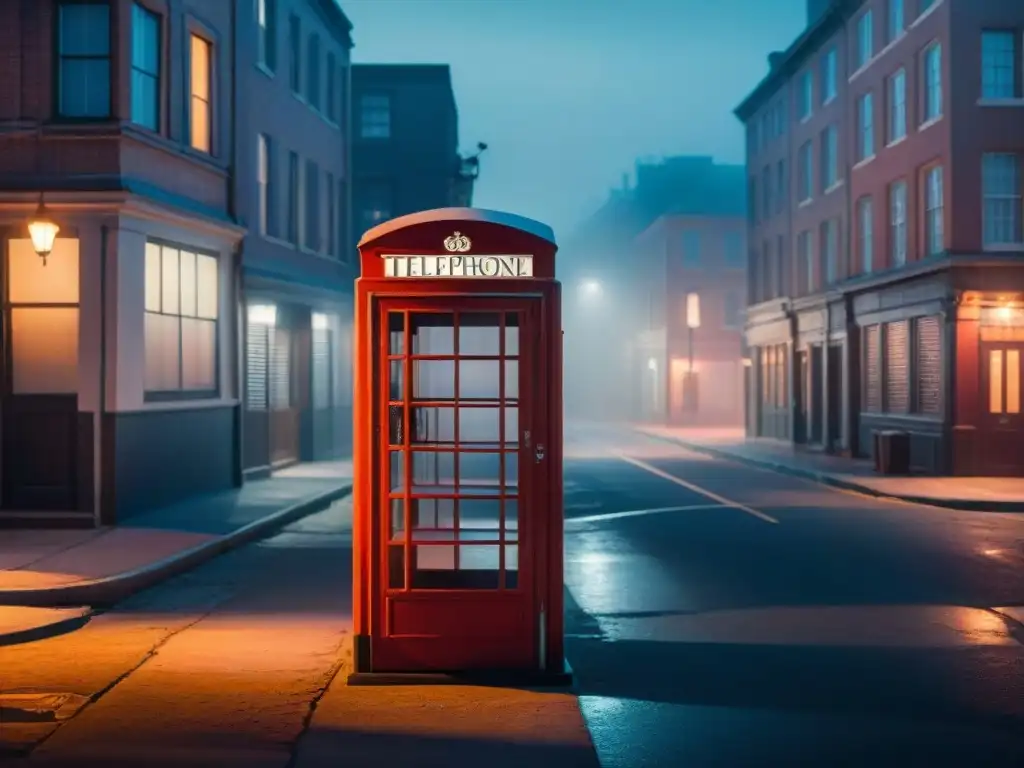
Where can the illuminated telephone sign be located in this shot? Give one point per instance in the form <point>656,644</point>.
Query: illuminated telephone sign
<point>488,266</point>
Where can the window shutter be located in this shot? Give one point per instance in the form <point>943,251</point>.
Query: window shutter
<point>256,367</point>
<point>928,364</point>
<point>872,368</point>
<point>897,368</point>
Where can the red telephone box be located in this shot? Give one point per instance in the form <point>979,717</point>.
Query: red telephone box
<point>458,450</point>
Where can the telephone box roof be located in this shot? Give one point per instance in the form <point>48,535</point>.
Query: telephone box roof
<point>535,228</point>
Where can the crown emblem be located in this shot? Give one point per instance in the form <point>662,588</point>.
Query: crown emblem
<point>457,243</point>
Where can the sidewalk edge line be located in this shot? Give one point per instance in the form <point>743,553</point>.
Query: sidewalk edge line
<point>108,590</point>
<point>45,631</point>
<point>964,505</point>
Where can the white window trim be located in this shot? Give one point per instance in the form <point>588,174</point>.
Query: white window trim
<point>914,24</point>
<point>930,210</point>
<point>1018,197</point>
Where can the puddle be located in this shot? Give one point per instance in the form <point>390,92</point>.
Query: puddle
<point>39,707</point>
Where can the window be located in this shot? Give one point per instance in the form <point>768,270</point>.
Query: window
<point>265,169</point>
<point>201,116</point>
<point>332,222</point>
<point>731,310</point>
<point>293,198</point>
<point>311,203</point>
<point>928,365</point>
<point>999,77</point>
<point>806,95</point>
<point>42,332</point>
<point>375,117</point>
<point>295,54</point>
<point>898,224</point>
<point>766,270</point>
<point>342,218</point>
<point>828,254</point>
<point>805,278</point>
<point>873,368</point>
<point>332,89</point>
<point>313,72</point>
<point>829,76</point>
<point>180,320</point>
<point>766,191</point>
<point>145,68</point>
<point>865,39</point>
<point>866,126</point>
<point>897,21</point>
<point>806,179</point>
<point>780,266</point>
<point>933,212</point>
<point>866,233</point>
<point>266,42</point>
<point>780,186</point>
<point>376,204</point>
<point>897,90</point>
<point>897,367</point>
<point>1001,199</point>
<point>734,250</point>
<point>933,82</point>
<point>83,50</point>
<point>691,248</point>
<point>1004,381</point>
<point>829,158</point>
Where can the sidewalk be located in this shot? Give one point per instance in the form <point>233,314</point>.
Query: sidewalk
<point>61,568</point>
<point>992,494</point>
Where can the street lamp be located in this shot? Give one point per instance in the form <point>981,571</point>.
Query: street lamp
<point>690,391</point>
<point>43,231</point>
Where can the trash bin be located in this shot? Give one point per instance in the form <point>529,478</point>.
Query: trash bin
<point>892,452</point>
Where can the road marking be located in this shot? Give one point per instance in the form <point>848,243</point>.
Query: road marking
<point>697,489</point>
<point>640,513</point>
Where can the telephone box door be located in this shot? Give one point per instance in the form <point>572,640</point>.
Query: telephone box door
<point>461,501</point>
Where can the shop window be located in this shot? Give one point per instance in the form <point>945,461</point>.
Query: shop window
<point>928,365</point>
<point>897,368</point>
<point>180,322</point>
<point>1004,381</point>
<point>873,368</point>
<point>43,317</point>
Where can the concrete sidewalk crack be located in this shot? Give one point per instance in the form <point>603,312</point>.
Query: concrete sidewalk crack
<point>332,674</point>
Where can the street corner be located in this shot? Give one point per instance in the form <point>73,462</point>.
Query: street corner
<point>21,624</point>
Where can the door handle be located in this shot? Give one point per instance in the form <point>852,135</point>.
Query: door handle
<point>539,453</point>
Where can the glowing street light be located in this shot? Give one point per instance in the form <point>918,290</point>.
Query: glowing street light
<point>43,231</point>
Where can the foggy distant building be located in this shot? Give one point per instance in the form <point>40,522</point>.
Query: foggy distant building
<point>885,231</point>
<point>405,149</point>
<point>679,256</point>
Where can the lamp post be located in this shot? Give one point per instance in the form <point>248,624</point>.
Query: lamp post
<point>43,231</point>
<point>690,391</point>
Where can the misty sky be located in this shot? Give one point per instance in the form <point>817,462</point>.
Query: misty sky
<point>568,93</point>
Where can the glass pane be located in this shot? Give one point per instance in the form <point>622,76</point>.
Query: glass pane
<point>511,427</point>
<point>200,121</point>
<point>432,333</point>
<point>396,567</point>
<point>511,469</point>
<point>432,470</point>
<point>188,284</point>
<point>995,381</point>
<point>85,29</point>
<point>396,425</point>
<point>479,519</point>
<point>200,66</point>
<point>29,281</point>
<point>479,333</point>
<point>152,277</point>
<point>206,287</point>
<point>163,351</point>
<point>433,425</point>
<point>1012,381</point>
<point>511,333</point>
<point>478,379</point>
<point>511,519</point>
<point>479,472</point>
<point>433,379</point>
<point>511,379</point>
<point>44,348</point>
<point>396,466</point>
<point>511,566</point>
<point>396,380</point>
<point>170,282</point>
<point>396,333</point>
<point>479,427</point>
<point>198,354</point>
<point>432,519</point>
<point>435,567</point>
<point>85,87</point>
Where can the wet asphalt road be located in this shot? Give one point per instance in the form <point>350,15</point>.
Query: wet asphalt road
<point>800,626</point>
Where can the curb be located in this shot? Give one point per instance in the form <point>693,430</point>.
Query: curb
<point>108,590</point>
<point>966,505</point>
<point>64,625</point>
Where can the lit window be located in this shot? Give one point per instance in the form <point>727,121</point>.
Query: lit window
<point>933,82</point>
<point>180,321</point>
<point>933,211</point>
<point>375,117</point>
<point>145,68</point>
<point>83,52</point>
<point>1004,381</point>
<point>865,39</point>
<point>898,223</point>
<point>897,90</point>
<point>266,21</point>
<point>999,76</point>
<point>1001,199</point>
<point>201,106</point>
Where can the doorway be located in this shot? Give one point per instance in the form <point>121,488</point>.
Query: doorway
<point>461,494</point>
<point>834,402</point>
<point>1003,425</point>
<point>814,394</point>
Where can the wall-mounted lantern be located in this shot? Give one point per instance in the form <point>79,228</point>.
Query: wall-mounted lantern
<point>43,231</point>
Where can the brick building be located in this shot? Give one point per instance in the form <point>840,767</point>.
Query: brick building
<point>702,255</point>
<point>885,232</point>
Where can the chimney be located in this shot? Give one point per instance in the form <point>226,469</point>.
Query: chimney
<point>816,9</point>
<point>774,58</point>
